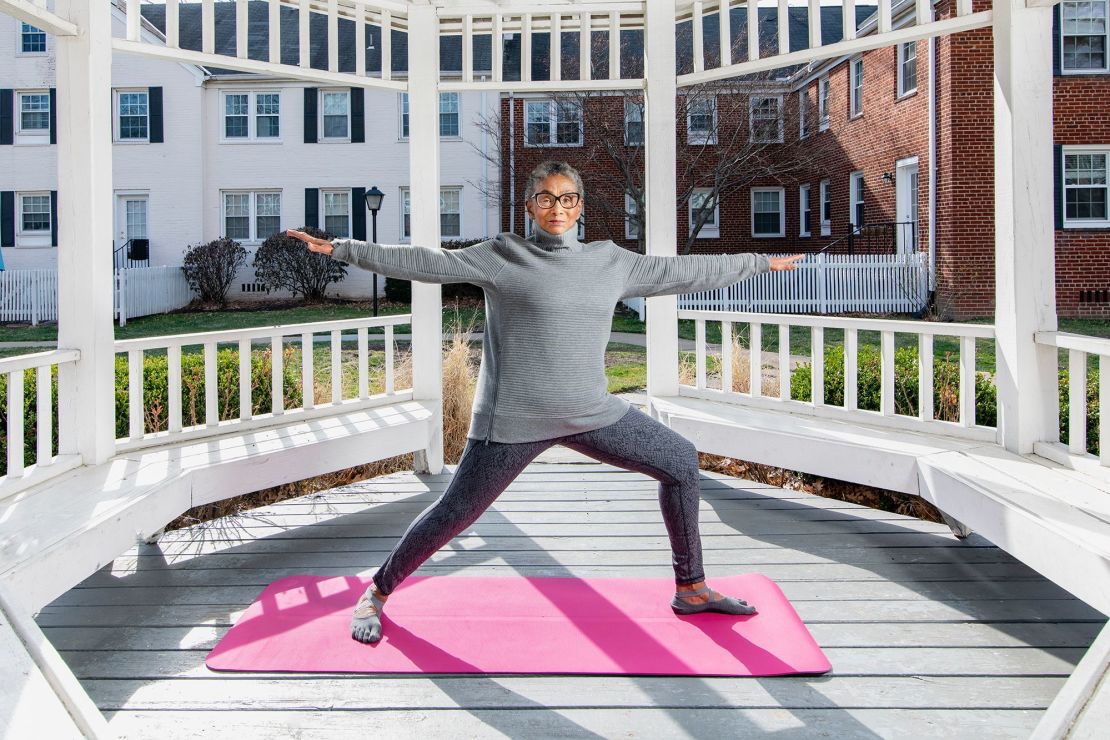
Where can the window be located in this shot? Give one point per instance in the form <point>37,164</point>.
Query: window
<point>1085,188</point>
<point>907,68</point>
<point>267,115</point>
<point>823,103</point>
<point>803,112</point>
<point>803,211</point>
<point>711,229</point>
<point>34,212</point>
<point>701,121</point>
<point>34,113</point>
<point>633,122</point>
<point>856,70</point>
<point>239,113</point>
<point>337,212</point>
<point>855,215</point>
<point>826,209</point>
<point>552,123</point>
<point>404,115</point>
<point>449,114</point>
<point>765,120</point>
<point>251,216</point>
<point>767,212</point>
<point>1083,36</point>
<point>450,213</point>
<point>631,220</point>
<point>31,40</point>
<point>336,114</point>
<point>236,115</point>
<point>134,115</point>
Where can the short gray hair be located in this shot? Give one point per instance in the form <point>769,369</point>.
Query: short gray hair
<point>547,169</point>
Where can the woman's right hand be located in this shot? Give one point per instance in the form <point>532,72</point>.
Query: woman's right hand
<point>315,244</point>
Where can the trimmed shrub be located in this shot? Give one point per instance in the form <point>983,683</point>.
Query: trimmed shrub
<point>210,268</point>
<point>286,262</point>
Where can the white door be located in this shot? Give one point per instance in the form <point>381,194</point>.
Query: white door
<point>906,197</point>
<point>131,219</point>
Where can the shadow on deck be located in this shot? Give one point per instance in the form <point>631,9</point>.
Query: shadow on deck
<point>927,634</point>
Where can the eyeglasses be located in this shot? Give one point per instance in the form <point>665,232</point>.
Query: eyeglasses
<point>545,199</point>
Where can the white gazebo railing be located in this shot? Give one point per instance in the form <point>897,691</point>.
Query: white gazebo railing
<point>1080,348</point>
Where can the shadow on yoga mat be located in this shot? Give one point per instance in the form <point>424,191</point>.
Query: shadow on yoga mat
<point>532,625</point>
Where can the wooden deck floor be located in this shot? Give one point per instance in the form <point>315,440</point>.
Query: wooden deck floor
<point>928,636</point>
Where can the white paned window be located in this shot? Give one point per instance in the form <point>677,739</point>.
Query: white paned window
<point>267,115</point>
<point>1083,36</point>
<point>701,121</point>
<point>449,114</point>
<point>133,115</point>
<point>711,229</point>
<point>768,212</point>
<point>856,70</point>
<point>552,123</point>
<point>404,115</point>
<point>855,188</point>
<point>450,213</point>
<point>803,112</point>
<point>337,212</point>
<point>907,68</point>
<point>1085,188</point>
<point>335,114</point>
<point>823,103</point>
<point>633,122</point>
<point>34,212</point>
<point>251,216</point>
<point>826,208</point>
<point>34,113</point>
<point>406,214</point>
<point>804,223</point>
<point>237,117</point>
<point>765,120</point>
<point>31,40</point>
<point>631,220</point>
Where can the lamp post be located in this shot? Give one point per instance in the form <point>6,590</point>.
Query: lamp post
<point>374,199</point>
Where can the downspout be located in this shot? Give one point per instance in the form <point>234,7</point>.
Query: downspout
<point>932,165</point>
<point>512,163</point>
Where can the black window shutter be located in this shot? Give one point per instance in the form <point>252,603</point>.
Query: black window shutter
<point>358,213</point>
<point>1056,43</point>
<point>7,130</point>
<point>53,218</point>
<point>53,115</point>
<point>358,119</point>
<point>312,207</point>
<point>7,218</point>
<point>310,115</point>
<point>1058,183</point>
<point>154,103</point>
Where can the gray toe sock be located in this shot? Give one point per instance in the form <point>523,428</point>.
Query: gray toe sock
<point>725,604</point>
<point>366,624</point>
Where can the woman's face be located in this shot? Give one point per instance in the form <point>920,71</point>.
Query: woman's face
<point>557,218</point>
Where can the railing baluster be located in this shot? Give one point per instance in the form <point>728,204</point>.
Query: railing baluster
<point>699,354</point>
<point>468,47</point>
<point>389,359</point>
<point>208,26</point>
<point>15,423</point>
<point>303,34</point>
<point>814,23</point>
<point>173,358</point>
<point>211,389</point>
<point>133,20</point>
<point>360,40</point>
<point>784,362</point>
<point>363,359</point>
<point>784,27</point>
<point>585,41</point>
<point>614,45</point>
<point>245,380</point>
<point>277,376</point>
<point>1077,401</point>
<point>241,28</point>
<point>526,47</point>
<point>135,393</point>
<point>884,16</point>
<point>172,27</point>
<point>557,46</point>
<point>753,30</point>
<point>387,46</point>
<point>44,415</point>
<point>1104,409</point>
<point>699,53</point>
<point>333,35</point>
<point>336,366</point>
<point>496,50</point>
<point>967,381</point>
<point>886,396</point>
<point>308,387</point>
<point>755,359</point>
<point>726,356</point>
<point>725,28</point>
<point>817,364</point>
<point>925,377</point>
<point>849,19</point>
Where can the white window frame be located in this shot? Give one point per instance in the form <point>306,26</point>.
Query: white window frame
<point>252,218</point>
<point>404,199</point>
<point>709,230</point>
<point>443,98</point>
<point>753,103</point>
<point>781,193</point>
<point>320,128</point>
<point>805,206</point>
<point>1106,42</point>
<point>1083,223</point>
<point>34,135</point>
<point>552,124</point>
<point>403,116</point>
<point>451,189</point>
<point>116,118</point>
<point>630,222</point>
<point>637,109</point>
<point>19,41</point>
<point>252,136</point>
<point>34,237</point>
<point>855,93</point>
<point>322,210</point>
<point>900,56</point>
<point>698,137</point>
<point>855,196</point>
<point>824,208</point>
<point>803,112</point>
<point>823,103</point>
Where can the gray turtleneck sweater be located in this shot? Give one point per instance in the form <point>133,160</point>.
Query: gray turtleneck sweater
<point>549,304</point>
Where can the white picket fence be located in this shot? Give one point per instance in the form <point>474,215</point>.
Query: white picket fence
<point>821,284</point>
<point>29,295</point>
<point>142,291</point>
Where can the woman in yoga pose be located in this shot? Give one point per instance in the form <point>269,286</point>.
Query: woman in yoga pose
<point>549,308</point>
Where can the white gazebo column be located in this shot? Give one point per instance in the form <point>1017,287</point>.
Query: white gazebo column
<point>661,223</point>
<point>427,298</point>
<point>1025,283</point>
<point>86,389</point>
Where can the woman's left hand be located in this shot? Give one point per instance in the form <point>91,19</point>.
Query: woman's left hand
<point>785,263</point>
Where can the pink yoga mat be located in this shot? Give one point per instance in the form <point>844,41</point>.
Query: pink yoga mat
<point>463,624</point>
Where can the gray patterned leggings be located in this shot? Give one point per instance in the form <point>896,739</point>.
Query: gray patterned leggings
<point>634,442</point>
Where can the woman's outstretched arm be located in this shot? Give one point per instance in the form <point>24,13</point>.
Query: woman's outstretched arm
<point>477,264</point>
<point>652,275</point>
